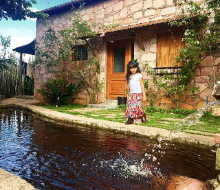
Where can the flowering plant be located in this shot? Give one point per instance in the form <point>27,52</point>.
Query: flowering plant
<point>201,40</point>
<point>57,50</point>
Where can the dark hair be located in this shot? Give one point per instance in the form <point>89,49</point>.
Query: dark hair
<point>130,65</point>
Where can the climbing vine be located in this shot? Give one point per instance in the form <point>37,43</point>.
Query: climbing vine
<point>64,52</point>
<point>201,23</point>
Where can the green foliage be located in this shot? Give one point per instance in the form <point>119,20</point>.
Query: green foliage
<point>88,77</point>
<point>122,107</point>
<point>28,85</point>
<point>6,58</point>
<point>18,10</point>
<point>59,92</point>
<point>157,117</point>
<point>153,109</point>
<point>63,108</point>
<point>9,81</point>
<point>58,45</point>
<point>56,48</point>
<point>182,112</point>
<point>200,37</point>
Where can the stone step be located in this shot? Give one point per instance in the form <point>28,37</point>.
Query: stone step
<point>199,132</point>
<point>108,104</point>
<point>102,106</point>
<point>216,111</point>
<point>111,102</point>
<point>24,97</point>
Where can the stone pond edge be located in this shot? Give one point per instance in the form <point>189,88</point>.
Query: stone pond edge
<point>62,118</point>
<point>150,132</point>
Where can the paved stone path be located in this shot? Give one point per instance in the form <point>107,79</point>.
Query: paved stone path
<point>161,134</point>
<point>10,181</point>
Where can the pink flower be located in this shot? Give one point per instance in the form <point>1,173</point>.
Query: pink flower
<point>57,34</point>
<point>102,34</point>
<point>208,32</point>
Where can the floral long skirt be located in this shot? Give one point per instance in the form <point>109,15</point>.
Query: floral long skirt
<point>134,106</point>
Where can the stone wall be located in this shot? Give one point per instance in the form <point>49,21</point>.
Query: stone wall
<point>128,12</point>
<point>203,79</point>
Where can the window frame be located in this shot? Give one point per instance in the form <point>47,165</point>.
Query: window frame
<point>169,44</point>
<point>78,56</point>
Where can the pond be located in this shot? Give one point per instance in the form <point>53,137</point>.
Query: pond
<point>53,156</point>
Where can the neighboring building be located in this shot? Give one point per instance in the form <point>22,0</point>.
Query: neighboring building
<point>142,34</point>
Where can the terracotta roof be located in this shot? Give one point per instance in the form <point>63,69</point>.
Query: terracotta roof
<point>139,25</point>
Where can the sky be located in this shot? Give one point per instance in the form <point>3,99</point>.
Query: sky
<point>24,32</point>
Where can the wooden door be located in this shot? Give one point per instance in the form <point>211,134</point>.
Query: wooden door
<point>119,53</point>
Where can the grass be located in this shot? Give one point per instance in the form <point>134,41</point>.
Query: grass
<point>156,117</point>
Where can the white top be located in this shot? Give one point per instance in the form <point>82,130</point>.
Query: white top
<point>134,83</point>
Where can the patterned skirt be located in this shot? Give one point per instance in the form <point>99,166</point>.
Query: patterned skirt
<point>134,106</point>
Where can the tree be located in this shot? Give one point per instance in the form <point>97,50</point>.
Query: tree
<point>6,58</point>
<point>18,10</point>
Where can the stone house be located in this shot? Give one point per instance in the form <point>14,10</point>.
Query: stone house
<point>142,33</point>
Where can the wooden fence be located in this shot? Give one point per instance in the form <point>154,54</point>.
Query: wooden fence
<point>9,82</point>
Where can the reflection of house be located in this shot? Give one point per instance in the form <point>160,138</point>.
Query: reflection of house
<point>142,34</point>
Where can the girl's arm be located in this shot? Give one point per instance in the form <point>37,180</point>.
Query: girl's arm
<point>128,89</point>
<point>143,89</point>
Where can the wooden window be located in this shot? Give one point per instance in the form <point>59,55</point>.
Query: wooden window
<point>80,53</point>
<point>168,47</point>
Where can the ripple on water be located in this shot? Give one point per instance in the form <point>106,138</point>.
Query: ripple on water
<point>52,156</point>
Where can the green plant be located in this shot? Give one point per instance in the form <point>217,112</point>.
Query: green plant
<point>59,92</point>
<point>28,85</point>
<point>157,117</point>
<point>6,58</point>
<point>89,77</point>
<point>57,48</point>
<point>19,10</point>
<point>182,111</point>
<point>201,21</point>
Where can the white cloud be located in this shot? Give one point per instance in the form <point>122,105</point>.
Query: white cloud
<point>34,9</point>
<point>32,19</point>
<point>20,41</point>
<point>19,32</point>
<point>19,38</point>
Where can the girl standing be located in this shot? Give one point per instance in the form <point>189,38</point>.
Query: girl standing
<point>136,93</point>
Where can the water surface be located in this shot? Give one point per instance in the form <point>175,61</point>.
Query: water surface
<point>52,156</point>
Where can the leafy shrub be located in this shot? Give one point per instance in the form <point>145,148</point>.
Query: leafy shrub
<point>59,92</point>
<point>182,111</point>
<point>152,109</point>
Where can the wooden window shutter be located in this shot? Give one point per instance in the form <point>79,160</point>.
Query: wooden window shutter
<point>168,47</point>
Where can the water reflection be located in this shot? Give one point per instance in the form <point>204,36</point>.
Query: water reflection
<point>51,156</point>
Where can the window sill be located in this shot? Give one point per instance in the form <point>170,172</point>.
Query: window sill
<point>166,70</point>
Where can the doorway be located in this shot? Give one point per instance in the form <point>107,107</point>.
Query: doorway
<point>119,53</point>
